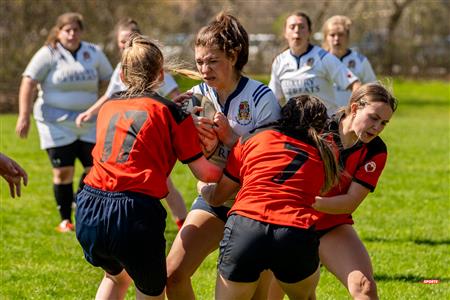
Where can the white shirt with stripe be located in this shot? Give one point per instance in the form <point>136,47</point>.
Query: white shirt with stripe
<point>360,66</point>
<point>313,72</point>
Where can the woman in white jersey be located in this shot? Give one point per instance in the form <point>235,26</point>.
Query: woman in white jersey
<point>242,104</point>
<point>67,73</point>
<point>124,28</point>
<point>336,37</point>
<point>307,69</point>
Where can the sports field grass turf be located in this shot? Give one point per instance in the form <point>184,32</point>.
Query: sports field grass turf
<point>404,223</point>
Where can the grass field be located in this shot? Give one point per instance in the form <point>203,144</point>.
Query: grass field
<point>405,223</point>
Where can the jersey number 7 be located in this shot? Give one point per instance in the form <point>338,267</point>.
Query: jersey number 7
<point>292,168</point>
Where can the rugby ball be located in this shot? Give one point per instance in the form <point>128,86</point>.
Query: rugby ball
<point>195,100</point>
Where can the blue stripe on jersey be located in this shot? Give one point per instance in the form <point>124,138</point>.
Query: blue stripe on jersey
<point>346,54</point>
<point>260,91</point>
<point>257,89</point>
<point>202,88</point>
<point>261,96</point>
<point>322,53</point>
<point>241,85</point>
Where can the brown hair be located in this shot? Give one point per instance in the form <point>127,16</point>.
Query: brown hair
<point>338,20</point>
<point>142,62</point>
<point>227,34</point>
<point>308,114</point>
<point>371,92</point>
<point>127,24</point>
<point>62,21</point>
<point>300,14</point>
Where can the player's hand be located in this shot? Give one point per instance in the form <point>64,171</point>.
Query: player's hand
<point>13,173</point>
<point>82,118</point>
<point>23,126</point>
<point>223,130</point>
<point>208,145</point>
<point>181,98</point>
<point>205,127</point>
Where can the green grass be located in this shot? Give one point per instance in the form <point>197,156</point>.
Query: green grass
<point>404,223</point>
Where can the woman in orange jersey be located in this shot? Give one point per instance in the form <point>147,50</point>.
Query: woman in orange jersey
<point>140,135</point>
<point>362,156</point>
<point>278,170</point>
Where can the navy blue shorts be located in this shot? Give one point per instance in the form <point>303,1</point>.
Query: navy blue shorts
<point>220,212</point>
<point>124,230</point>
<point>65,155</point>
<point>249,247</point>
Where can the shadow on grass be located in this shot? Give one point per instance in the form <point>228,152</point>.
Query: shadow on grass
<point>429,242</point>
<point>409,278</point>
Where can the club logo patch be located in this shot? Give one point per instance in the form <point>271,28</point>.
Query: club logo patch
<point>370,167</point>
<point>310,62</point>
<point>86,56</point>
<point>351,64</point>
<point>244,117</point>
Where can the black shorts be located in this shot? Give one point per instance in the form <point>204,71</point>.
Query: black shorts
<point>220,212</point>
<point>65,155</point>
<point>124,230</point>
<point>248,247</point>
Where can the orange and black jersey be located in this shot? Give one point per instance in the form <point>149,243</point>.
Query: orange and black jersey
<point>362,163</point>
<point>280,174</point>
<point>139,140</point>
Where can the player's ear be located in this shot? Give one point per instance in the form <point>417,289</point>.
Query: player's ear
<point>161,75</point>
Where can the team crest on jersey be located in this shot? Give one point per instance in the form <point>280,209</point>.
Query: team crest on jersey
<point>86,56</point>
<point>243,116</point>
<point>351,64</point>
<point>370,167</point>
<point>310,62</point>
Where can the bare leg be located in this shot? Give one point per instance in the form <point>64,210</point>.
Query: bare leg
<point>226,289</point>
<point>262,289</point>
<point>343,254</point>
<point>113,287</point>
<point>141,296</point>
<point>199,236</point>
<point>275,290</point>
<point>176,203</point>
<point>303,289</point>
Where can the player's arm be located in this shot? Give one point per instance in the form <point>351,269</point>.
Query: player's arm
<point>217,194</point>
<point>342,204</point>
<point>27,94</point>
<point>204,170</point>
<point>91,111</point>
<point>354,85</point>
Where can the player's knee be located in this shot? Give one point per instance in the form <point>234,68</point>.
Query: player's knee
<point>362,288</point>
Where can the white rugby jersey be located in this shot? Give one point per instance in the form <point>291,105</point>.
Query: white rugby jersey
<point>360,66</point>
<point>67,83</point>
<point>251,105</point>
<point>314,73</point>
<point>116,84</point>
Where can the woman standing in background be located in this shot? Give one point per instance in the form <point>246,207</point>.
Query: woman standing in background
<point>336,37</point>
<point>67,73</point>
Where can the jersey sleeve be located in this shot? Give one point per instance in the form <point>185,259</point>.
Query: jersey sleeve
<point>268,109</point>
<point>275,84</point>
<point>168,86</point>
<point>185,139</point>
<point>367,73</point>
<point>104,68</point>
<point>115,83</point>
<point>40,65</point>
<point>370,171</point>
<point>338,72</point>
<point>233,167</point>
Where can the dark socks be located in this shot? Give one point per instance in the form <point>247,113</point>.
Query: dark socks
<point>64,196</point>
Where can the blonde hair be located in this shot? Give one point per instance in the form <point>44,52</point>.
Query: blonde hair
<point>308,114</point>
<point>142,62</point>
<point>339,21</point>
<point>62,21</point>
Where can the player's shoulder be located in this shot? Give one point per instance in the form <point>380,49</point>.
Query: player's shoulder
<point>90,46</point>
<point>318,51</point>
<point>375,147</point>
